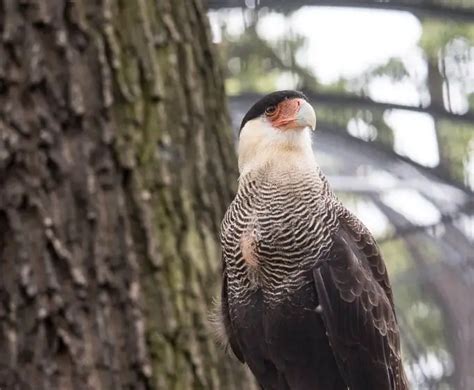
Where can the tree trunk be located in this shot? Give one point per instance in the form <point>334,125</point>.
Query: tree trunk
<point>435,82</point>
<point>116,165</point>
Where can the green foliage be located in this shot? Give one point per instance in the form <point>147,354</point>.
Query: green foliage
<point>421,317</point>
<point>252,63</point>
<point>438,33</point>
<point>394,68</point>
<point>456,143</point>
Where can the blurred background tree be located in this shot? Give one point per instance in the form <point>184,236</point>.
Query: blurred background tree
<point>393,87</point>
<point>116,165</point>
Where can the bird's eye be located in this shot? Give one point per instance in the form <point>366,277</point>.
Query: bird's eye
<point>270,110</point>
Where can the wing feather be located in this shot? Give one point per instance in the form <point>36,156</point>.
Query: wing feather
<point>358,312</point>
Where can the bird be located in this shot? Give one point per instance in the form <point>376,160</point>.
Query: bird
<point>306,302</point>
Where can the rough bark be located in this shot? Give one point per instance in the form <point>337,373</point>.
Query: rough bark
<point>116,165</point>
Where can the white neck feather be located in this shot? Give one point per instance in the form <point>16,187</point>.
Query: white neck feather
<point>261,145</point>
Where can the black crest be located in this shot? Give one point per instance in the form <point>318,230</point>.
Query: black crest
<point>271,99</point>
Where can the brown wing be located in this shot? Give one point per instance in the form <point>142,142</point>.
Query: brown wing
<point>367,245</point>
<point>357,310</point>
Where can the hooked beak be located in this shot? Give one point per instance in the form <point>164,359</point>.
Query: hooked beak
<point>294,114</point>
<point>306,117</point>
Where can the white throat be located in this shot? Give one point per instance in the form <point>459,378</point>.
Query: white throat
<point>261,145</point>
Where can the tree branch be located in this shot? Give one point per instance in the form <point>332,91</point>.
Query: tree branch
<point>465,210</point>
<point>417,7</point>
<point>365,102</point>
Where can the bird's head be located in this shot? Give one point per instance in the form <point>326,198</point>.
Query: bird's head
<point>277,127</point>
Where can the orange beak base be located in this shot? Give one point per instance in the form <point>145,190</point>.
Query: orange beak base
<point>285,115</point>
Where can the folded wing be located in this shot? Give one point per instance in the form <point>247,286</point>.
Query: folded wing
<point>357,310</point>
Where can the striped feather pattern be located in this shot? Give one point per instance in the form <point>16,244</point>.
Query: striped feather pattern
<point>291,215</point>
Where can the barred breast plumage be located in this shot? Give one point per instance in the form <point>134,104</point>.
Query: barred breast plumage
<point>289,216</point>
